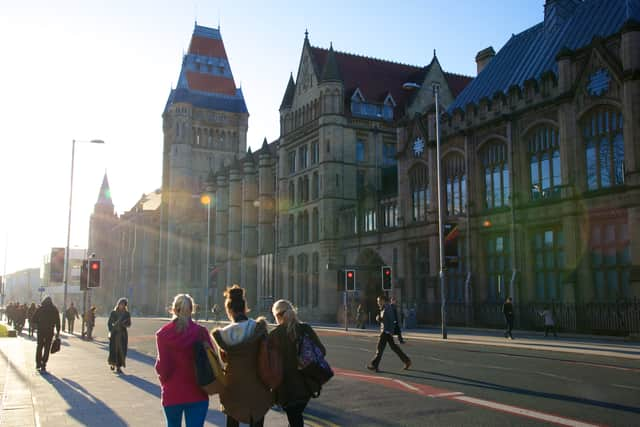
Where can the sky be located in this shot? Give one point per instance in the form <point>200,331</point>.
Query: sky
<point>89,69</point>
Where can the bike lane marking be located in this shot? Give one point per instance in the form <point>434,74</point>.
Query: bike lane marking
<point>434,392</point>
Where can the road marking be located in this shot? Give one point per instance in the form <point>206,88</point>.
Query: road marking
<point>453,393</point>
<point>410,387</point>
<point>428,391</point>
<point>524,412</point>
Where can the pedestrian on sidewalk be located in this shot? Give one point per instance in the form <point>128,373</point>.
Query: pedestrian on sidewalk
<point>30,312</point>
<point>90,322</point>
<point>507,310</point>
<point>295,391</point>
<point>72,315</point>
<point>47,317</point>
<point>549,321</point>
<point>245,398</point>
<point>119,321</point>
<point>174,365</point>
<point>397,330</point>
<point>387,321</point>
<point>360,321</point>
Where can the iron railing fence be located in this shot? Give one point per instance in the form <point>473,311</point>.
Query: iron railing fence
<point>611,318</point>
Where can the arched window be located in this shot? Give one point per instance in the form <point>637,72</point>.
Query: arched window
<point>604,148</point>
<point>315,279</point>
<point>456,184</point>
<point>292,228</point>
<point>305,227</point>
<point>292,193</point>
<point>495,164</point>
<point>420,194</point>
<point>544,163</point>
<point>315,227</point>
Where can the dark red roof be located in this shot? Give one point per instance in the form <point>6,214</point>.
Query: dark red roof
<point>210,83</point>
<point>376,78</point>
<point>207,47</point>
<point>457,82</point>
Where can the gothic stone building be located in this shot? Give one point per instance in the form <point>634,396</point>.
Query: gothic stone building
<point>541,161</point>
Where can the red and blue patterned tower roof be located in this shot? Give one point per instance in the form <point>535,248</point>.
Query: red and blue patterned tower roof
<point>205,78</point>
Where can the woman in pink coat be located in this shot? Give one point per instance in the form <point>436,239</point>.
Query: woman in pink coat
<point>175,366</point>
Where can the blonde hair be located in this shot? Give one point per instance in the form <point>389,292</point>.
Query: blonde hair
<point>181,309</point>
<point>289,316</point>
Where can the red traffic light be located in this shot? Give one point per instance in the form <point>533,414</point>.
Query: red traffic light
<point>387,272</point>
<point>95,265</point>
<point>349,274</point>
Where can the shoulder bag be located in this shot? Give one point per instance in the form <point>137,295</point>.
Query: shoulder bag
<point>311,361</point>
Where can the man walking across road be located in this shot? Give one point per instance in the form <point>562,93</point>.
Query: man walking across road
<point>46,317</point>
<point>397,330</point>
<point>72,315</point>
<point>387,321</point>
<point>507,310</point>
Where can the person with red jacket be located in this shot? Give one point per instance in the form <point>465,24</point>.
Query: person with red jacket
<point>175,366</point>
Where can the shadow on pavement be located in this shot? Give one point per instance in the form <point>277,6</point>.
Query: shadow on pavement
<point>554,359</point>
<point>85,407</point>
<point>453,379</point>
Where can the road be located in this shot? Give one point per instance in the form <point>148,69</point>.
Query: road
<point>453,383</point>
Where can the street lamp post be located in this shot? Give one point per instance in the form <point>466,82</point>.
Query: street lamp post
<point>443,300</point>
<point>206,200</point>
<point>66,252</point>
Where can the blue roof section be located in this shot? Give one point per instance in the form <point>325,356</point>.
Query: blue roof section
<point>533,52</point>
<point>206,100</point>
<point>210,33</point>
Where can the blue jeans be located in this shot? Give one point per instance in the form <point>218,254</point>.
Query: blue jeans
<point>194,414</point>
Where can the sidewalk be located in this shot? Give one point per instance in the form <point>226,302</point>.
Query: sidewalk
<point>80,390</point>
<point>531,340</point>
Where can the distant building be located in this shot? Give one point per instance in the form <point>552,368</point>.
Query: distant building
<point>22,286</point>
<point>103,242</point>
<point>138,238</point>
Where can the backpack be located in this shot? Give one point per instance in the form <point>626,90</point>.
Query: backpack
<point>209,374</point>
<point>311,362</point>
<point>270,363</point>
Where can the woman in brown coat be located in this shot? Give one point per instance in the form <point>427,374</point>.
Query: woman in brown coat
<point>295,391</point>
<point>245,398</point>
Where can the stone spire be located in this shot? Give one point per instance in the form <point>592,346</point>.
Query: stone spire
<point>287,100</point>
<point>331,71</point>
<point>104,198</point>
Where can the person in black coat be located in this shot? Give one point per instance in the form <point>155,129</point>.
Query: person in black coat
<point>387,321</point>
<point>507,310</point>
<point>46,317</point>
<point>119,321</point>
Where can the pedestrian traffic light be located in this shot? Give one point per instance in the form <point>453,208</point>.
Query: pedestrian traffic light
<point>386,278</point>
<point>94,273</point>
<point>84,275</point>
<point>350,280</point>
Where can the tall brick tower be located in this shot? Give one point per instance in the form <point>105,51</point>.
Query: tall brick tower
<point>205,128</point>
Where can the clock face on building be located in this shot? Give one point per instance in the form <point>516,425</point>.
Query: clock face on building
<point>599,83</point>
<point>418,147</point>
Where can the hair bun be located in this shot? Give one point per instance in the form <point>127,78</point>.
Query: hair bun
<point>235,293</point>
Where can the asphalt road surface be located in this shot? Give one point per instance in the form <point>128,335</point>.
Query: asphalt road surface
<point>451,384</point>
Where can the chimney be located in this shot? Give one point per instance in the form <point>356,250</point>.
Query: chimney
<point>557,12</point>
<point>483,57</point>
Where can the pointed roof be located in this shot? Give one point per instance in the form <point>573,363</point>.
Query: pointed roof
<point>533,52</point>
<point>331,70</point>
<point>377,78</point>
<point>287,100</point>
<point>205,79</point>
<point>104,198</point>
